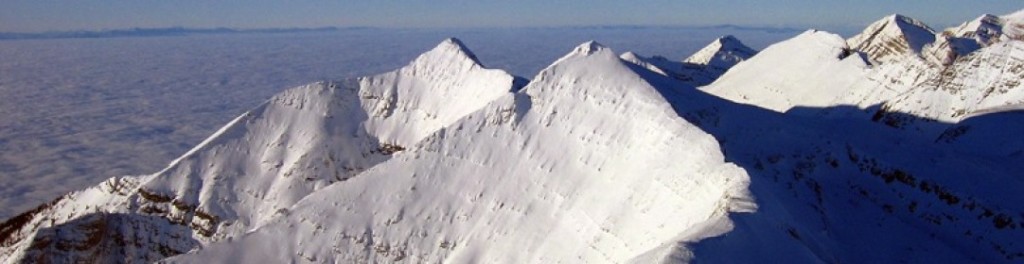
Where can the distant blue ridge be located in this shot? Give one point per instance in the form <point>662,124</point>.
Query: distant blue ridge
<point>183,31</point>
<point>155,32</point>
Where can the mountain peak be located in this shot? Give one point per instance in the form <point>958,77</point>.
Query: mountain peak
<point>454,43</point>
<point>450,49</point>
<point>891,37</point>
<point>987,29</point>
<point>589,47</point>
<point>906,20</point>
<point>727,40</point>
<point>723,52</point>
<point>988,17</point>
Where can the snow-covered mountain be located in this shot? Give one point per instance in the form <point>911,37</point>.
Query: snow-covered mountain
<point>723,53</point>
<point>895,145</point>
<point>559,172</point>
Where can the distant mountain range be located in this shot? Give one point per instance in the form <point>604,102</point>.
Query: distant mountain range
<point>155,32</point>
<point>183,31</point>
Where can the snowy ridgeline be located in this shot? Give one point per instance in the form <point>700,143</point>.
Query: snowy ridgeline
<point>78,111</point>
<point>817,149</point>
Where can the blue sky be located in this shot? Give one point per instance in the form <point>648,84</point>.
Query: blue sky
<point>43,15</point>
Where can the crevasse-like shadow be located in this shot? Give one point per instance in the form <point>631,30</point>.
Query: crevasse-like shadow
<point>857,190</point>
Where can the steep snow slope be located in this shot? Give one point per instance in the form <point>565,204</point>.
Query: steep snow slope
<point>810,69</point>
<point>701,68</point>
<point>267,159</point>
<point>892,38</point>
<point>563,171</point>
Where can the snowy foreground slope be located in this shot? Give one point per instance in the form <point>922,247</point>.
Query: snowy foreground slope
<point>899,144</point>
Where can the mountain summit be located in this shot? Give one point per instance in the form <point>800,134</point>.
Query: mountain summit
<point>723,53</point>
<point>896,35</point>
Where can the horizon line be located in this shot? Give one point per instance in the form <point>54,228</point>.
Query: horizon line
<point>185,31</point>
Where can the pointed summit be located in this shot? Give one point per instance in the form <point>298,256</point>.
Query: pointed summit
<point>892,37</point>
<point>722,53</point>
<point>589,47</point>
<point>985,30</point>
<point>450,50</point>
<point>583,50</point>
